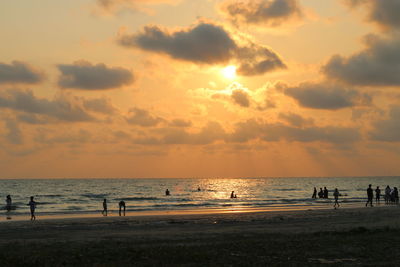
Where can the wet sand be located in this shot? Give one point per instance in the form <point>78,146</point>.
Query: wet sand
<point>357,236</point>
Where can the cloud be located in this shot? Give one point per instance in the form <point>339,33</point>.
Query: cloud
<point>205,43</point>
<point>387,130</point>
<point>180,123</point>
<point>142,118</point>
<point>19,73</point>
<point>100,105</point>
<point>266,13</point>
<point>295,119</point>
<point>377,65</point>
<point>275,132</point>
<point>241,98</point>
<point>385,13</point>
<point>14,135</point>
<point>64,107</point>
<point>83,75</point>
<point>110,4</point>
<point>326,96</point>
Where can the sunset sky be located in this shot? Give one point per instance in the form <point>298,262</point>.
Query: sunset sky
<point>199,88</point>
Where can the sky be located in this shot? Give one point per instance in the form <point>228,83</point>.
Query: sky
<point>199,88</point>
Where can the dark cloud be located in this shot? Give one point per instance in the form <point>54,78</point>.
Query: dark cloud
<point>257,59</point>
<point>383,12</point>
<point>326,96</point>
<point>205,43</point>
<point>241,98</point>
<point>62,107</point>
<point>268,13</point>
<point>387,130</point>
<point>83,75</point>
<point>142,118</point>
<point>275,132</point>
<point>296,120</point>
<point>377,65</point>
<point>19,72</point>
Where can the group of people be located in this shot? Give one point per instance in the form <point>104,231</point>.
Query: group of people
<point>321,194</point>
<point>121,205</point>
<point>31,204</point>
<point>391,195</point>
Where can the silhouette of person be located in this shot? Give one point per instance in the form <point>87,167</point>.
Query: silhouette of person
<point>387,194</point>
<point>104,212</point>
<point>233,194</point>
<point>326,192</point>
<point>396,195</point>
<point>8,203</point>
<point>370,194</point>
<point>314,195</point>
<point>167,193</point>
<point>336,195</point>
<point>198,189</point>
<point>32,206</point>
<point>320,193</point>
<point>121,205</point>
<point>377,195</point>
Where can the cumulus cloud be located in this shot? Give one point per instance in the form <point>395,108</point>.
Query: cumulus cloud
<point>383,12</point>
<point>274,132</point>
<point>142,118</point>
<point>19,72</point>
<point>326,96</point>
<point>83,75</point>
<point>387,130</point>
<point>241,98</point>
<point>267,13</point>
<point>63,107</point>
<point>377,65</point>
<point>205,43</point>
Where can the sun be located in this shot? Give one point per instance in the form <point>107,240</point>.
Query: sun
<point>229,72</point>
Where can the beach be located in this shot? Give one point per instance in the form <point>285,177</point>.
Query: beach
<point>349,236</point>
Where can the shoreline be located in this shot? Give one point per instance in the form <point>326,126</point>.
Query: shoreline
<point>204,211</point>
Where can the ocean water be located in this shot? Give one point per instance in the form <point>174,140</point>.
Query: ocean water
<point>85,196</point>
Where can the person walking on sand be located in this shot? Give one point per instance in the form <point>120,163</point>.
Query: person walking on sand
<point>32,206</point>
<point>314,195</point>
<point>377,195</point>
<point>122,207</point>
<point>8,203</point>
<point>336,195</point>
<point>370,194</point>
<point>104,212</point>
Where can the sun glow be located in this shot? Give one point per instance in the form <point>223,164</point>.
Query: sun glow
<point>229,72</point>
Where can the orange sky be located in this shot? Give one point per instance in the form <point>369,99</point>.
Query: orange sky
<point>204,88</point>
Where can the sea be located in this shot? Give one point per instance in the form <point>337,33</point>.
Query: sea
<point>67,197</point>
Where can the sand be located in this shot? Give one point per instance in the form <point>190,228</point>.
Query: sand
<point>356,236</point>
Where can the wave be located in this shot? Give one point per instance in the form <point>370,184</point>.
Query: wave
<point>136,198</point>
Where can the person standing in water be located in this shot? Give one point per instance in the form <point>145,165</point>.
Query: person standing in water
<point>32,206</point>
<point>314,195</point>
<point>104,212</point>
<point>320,193</point>
<point>326,192</point>
<point>233,194</point>
<point>370,194</point>
<point>167,193</point>
<point>377,195</point>
<point>387,194</point>
<point>122,206</point>
<point>336,195</point>
<point>8,203</point>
